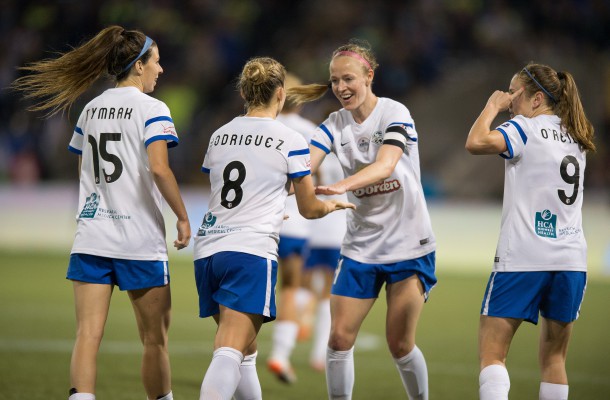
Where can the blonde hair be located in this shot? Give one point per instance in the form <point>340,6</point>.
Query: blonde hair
<point>305,93</point>
<point>259,79</point>
<point>55,84</point>
<point>561,94</point>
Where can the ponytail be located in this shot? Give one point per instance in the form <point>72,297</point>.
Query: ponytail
<point>298,95</point>
<point>572,114</point>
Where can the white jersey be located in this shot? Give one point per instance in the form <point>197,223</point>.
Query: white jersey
<point>543,190</point>
<point>328,232</point>
<point>391,221</point>
<point>296,226</point>
<point>120,207</point>
<point>250,161</point>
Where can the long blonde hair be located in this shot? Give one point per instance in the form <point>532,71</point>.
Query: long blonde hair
<point>55,84</point>
<point>562,96</point>
<point>305,93</point>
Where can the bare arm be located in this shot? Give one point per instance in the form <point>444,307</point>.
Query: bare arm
<point>309,205</point>
<point>481,139</point>
<point>317,156</point>
<point>387,158</point>
<point>166,182</point>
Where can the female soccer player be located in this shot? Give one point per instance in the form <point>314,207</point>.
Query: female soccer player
<point>541,262</point>
<point>121,138</point>
<point>251,162</point>
<point>389,236</point>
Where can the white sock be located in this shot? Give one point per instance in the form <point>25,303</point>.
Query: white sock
<point>222,376</point>
<point>414,374</point>
<point>302,298</point>
<point>249,387</point>
<point>82,396</point>
<point>553,391</point>
<point>340,373</point>
<point>322,331</point>
<point>168,396</point>
<point>284,339</point>
<point>494,383</point>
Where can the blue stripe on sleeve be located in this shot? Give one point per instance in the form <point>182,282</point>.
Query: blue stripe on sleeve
<point>172,140</point>
<point>508,145</point>
<point>520,130</point>
<point>299,174</point>
<point>401,123</point>
<point>157,119</point>
<point>320,146</point>
<point>298,152</point>
<point>205,170</point>
<point>75,150</point>
<point>78,130</point>
<point>325,129</point>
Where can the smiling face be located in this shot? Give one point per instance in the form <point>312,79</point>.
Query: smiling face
<point>151,71</point>
<point>350,83</point>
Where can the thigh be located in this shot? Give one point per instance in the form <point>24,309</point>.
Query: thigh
<point>347,314</point>
<point>152,308</point>
<point>237,330</point>
<point>92,302</point>
<point>405,301</point>
<point>495,336</point>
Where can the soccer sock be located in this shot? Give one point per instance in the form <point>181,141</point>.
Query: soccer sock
<point>414,374</point>
<point>249,387</point>
<point>222,376</point>
<point>284,339</point>
<point>168,396</point>
<point>553,391</point>
<point>82,396</point>
<point>302,298</point>
<point>494,383</point>
<point>322,331</point>
<point>340,373</point>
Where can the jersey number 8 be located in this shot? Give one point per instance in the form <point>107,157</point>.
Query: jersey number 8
<point>232,185</point>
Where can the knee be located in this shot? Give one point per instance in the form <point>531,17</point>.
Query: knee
<point>341,340</point>
<point>400,347</point>
<point>89,334</point>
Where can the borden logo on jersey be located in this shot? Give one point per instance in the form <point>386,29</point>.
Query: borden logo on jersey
<point>546,224</point>
<point>378,188</point>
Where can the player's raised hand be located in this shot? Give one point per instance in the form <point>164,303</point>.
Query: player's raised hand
<point>335,205</point>
<point>329,190</point>
<point>501,100</point>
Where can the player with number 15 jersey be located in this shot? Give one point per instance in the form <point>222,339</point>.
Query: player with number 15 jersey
<point>249,161</point>
<point>112,134</point>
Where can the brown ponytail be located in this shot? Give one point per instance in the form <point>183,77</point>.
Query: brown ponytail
<point>56,83</point>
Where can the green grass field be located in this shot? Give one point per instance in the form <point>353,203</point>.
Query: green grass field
<point>36,316</point>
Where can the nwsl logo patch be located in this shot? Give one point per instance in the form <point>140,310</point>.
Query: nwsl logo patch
<point>546,224</point>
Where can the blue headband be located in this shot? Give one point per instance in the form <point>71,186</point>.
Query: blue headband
<point>540,86</point>
<point>147,45</point>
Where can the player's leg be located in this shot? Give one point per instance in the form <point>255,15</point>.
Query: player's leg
<point>236,333</point>
<point>559,309</point>
<point>495,336</point>
<point>322,322</point>
<point>152,308</point>
<point>405,301</point>
<point>92,302</point>
<point>347,315</point>
<point>249,387</point>
<point>286,327</point>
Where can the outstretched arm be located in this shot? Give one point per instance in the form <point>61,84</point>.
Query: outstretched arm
<point>309,205</point>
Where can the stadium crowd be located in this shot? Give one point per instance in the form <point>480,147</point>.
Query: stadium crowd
<point>205,42</point>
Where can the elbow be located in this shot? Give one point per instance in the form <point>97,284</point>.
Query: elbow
<point>473,148</point>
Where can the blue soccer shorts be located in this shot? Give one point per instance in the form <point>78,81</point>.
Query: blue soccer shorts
<point>323,257</point>
<point>239,281</point>
<point>555,295</point>
<point>289,246</point>
<point>126,274</point>
<point>364,281</point>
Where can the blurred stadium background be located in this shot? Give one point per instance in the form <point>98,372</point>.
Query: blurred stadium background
<point>442,58</point>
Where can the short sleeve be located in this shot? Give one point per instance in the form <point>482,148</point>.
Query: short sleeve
<point>78,138</point>
<point>299,159</point>
<point>160,126</point>
<point>514,136</point>
<point>322,137</point>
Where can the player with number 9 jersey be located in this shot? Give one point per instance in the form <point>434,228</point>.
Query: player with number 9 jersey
<point>541,226</point>
<point>112,134</point>
<point>250,161</point>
